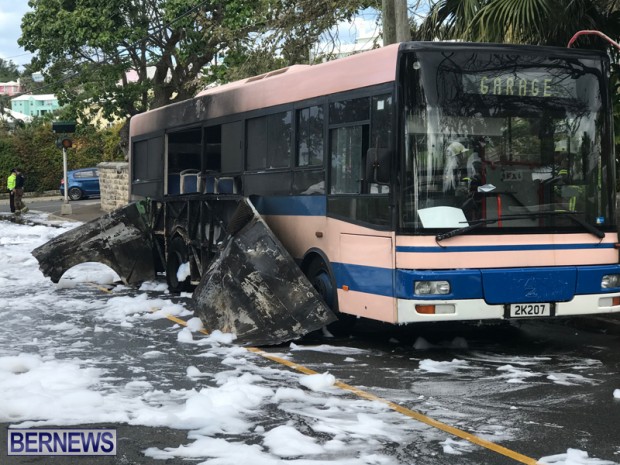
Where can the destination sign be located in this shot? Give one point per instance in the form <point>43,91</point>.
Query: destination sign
<point>520,84</point>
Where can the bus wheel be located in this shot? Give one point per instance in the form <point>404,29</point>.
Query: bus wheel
<point>319,277</point>
<point>177,256</point>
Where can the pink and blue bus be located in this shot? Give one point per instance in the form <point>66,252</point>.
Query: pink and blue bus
<point>418,182</point>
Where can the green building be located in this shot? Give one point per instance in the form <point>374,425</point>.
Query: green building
<point>35,105</point>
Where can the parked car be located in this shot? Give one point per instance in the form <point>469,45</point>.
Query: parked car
<point>82,183</point>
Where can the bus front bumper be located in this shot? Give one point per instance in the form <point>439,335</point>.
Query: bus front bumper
<point>418,311</point>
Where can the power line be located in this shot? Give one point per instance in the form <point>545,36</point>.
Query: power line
<point>16,56</point>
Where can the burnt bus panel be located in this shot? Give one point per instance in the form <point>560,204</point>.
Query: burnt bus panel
<point>255,290</point>
<point>251,286</point>
<point>121,239</point>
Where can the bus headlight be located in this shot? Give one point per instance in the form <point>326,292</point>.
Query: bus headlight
<point>610,280</point>
<point>431,287</point>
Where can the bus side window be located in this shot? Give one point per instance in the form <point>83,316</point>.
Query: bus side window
<point>184,156</point>
<point>269,141</point>
<point>213,149</point>
<point>148,168</point>
<point>212,158</point>
<point>378,157</point>
<point>310,136</point>
<point>232,147</point>
<point>347,167</point>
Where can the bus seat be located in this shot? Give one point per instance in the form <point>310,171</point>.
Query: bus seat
<point>226,185</point>
<point>189,181</point>
<point>174,184</point>
<point>209,183</point>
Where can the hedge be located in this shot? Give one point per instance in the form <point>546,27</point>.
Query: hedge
<point>33,149</point>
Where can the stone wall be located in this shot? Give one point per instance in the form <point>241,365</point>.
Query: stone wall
<point>114,183</point>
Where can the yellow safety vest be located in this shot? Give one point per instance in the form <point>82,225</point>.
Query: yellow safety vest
<point>10,182</point>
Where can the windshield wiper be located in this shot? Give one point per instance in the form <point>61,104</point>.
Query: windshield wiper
<point>465,229</point>
<point>477,223</point>
<point>587,226</point>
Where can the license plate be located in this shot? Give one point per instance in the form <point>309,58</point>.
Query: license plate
<point>529,310</point>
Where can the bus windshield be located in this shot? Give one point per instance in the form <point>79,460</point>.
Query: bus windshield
<point>492,135</point>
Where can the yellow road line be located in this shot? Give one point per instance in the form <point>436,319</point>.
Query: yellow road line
<point>392,405</point>
<point>98,286</point>
<point>405,411</point>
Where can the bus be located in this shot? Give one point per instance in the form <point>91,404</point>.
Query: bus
<point>418,182</point>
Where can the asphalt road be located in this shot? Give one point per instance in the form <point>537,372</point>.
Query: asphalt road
<point>535,413</point>
<point>537,387</point>
<point>81,210</point>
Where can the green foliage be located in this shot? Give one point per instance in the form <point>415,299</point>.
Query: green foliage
<point>33,148</point>
<point>86,48</point>
<point>542,22</point>
<point>8,71</point>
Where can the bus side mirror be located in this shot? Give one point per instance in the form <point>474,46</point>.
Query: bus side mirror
<point>378,165</point>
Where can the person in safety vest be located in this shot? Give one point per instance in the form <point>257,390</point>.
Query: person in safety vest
<point>10,185</point>
<point>20,207</point>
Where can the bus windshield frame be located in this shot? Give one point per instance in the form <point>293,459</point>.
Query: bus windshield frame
<point>492,133</point>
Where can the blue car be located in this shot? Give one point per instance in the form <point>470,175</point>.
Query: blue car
<point>82,183</point>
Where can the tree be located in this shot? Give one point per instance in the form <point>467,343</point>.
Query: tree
<point>127,56</point>
<point>284,36</point>
<point>8,71</point>
<point>537,22</point>
<point>86,50</point>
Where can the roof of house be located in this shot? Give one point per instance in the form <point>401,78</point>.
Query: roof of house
<point>35,97</point>
<point>11,115</point>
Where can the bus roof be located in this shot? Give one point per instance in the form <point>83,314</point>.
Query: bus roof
<point>302,82</point>
<point>299,82</point>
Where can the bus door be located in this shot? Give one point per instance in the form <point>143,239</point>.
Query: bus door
<point>364,268</point>
<point>365,276</point>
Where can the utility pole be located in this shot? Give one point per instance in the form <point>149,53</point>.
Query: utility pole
<point>403,31</point>
<point>389,22</point>
<point>395,21</point>
<point>64,142</point>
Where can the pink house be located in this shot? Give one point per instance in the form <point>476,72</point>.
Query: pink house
<point>10,88</point>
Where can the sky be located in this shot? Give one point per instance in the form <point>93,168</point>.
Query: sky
<point>234,405</point>
<point>11,12</point>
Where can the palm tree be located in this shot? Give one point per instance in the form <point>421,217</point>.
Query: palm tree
<point>542,22</point>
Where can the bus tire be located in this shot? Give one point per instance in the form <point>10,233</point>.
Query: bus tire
<point>176,256</point>
<point>319,276</point>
